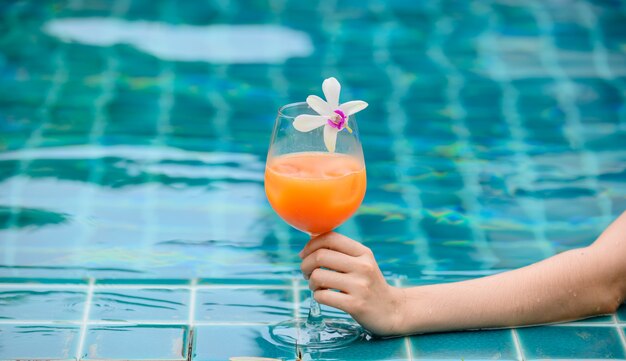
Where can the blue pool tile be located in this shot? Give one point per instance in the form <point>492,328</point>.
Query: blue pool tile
<point>512,255</point>
<point>471,345</point>
<point>222,342</point>
<point>243,305</point>
<point>55,305</point>
<point>136,343</point>
<point>38,342</point>
<point>566,342</point>
<point>571,236</point>
<point>559,210</point>
<point>375,349</point>
<point>621,313</point>
<point>147,304</point>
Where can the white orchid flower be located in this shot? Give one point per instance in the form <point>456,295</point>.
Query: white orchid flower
<point>332,116</point>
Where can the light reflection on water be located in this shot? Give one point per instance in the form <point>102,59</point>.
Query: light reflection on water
<point>207,211</point>
<point>223,43</point>
<point>179,213</point>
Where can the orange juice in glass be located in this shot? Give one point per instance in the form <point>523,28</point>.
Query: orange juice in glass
<point>315,180</point>
<point>315,191</point>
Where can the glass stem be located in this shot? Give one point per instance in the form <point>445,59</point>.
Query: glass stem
<point>315,319</point>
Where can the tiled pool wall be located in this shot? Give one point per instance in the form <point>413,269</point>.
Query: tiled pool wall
<point>209,319</point>
<point>133,222</point>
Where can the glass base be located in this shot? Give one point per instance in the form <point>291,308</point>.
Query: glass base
<point>328,334</point>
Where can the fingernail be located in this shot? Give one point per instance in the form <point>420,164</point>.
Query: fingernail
<point>300,254</point>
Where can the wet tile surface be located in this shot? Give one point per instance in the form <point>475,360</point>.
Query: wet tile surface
<point>148,304</point>
<point>214,343</point>
<point>571,342</point>
<point>19,342</point>
<point>136,343</point>
<point>485,345</point>
<point>388,349</point>
<point>244,305</point>
<point>56,304</point>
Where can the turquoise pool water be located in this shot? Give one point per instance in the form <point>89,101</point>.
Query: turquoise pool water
<point>133,134</point>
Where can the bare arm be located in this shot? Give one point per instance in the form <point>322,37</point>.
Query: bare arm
<point>571,285</point>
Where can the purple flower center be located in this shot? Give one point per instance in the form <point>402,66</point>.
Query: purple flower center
<point>338,121</point>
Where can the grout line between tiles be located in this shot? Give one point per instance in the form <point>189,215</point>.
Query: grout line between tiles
<point>397,282</point>
<point>86,311</point>
<point>620,331</point>
<point>409,349</point>
<point>402,147</point>
<point>192,303</point>
<point>573,129</point>
<point>191,319</point>
<point>295,287</point>
<point>467,162</point>
<point>518,345</point>
<point>535,209</point>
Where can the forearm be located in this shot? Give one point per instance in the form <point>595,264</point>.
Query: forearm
<point>561,288</point>
<point>572,285</point>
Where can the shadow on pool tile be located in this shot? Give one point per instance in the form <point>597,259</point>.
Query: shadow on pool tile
<point>136,343</point>
<point>568,342</point>
<point>471,345</point>
<point>54,305</point>
<point>38,342</point>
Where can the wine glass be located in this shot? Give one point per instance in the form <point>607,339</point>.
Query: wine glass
<point>314,190</point>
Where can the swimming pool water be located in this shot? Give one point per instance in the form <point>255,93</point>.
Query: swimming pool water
<point>133,137</point>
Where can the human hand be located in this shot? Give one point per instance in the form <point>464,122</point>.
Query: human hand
<point>350,268</point>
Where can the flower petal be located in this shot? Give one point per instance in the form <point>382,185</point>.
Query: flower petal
<point>352,107</point>
<point>319,105</point>
<point>330,138</point>
<point>307,122</point>
<point>332,88</point>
